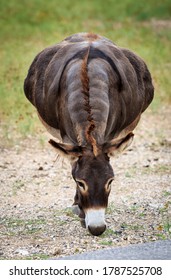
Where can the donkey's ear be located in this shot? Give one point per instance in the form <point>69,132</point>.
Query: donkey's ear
<point>118,146</point>
<point>70,152</point>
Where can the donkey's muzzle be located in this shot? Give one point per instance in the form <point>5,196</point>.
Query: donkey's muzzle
<point>97,230</point>
<point>95,221</point>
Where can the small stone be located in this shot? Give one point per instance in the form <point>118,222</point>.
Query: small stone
<point>40,168</point>
<point>125,238</point>
<point>56,251</point>
<point>22,252</point>
<point>66,187</point>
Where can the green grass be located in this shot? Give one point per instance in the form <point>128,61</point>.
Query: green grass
<point>16,226</point>
<point>158,169</point>
<point>17,185</point>
<point>37,257</point>
<point>26,27</point>
<point>106,243</point>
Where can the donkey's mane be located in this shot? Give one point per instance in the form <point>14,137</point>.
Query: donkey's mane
<point>85,90</point>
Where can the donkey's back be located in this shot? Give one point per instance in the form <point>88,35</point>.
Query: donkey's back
<point>88,88</point>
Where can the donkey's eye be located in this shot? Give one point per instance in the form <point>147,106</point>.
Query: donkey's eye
<point>108,185</point>
<point>81,185</point>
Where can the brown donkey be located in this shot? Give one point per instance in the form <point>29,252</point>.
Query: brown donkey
<point>89,93</point>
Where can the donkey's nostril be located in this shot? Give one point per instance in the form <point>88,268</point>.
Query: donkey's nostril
<point>97,230</point>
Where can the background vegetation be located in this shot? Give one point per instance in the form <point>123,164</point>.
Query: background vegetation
<point>26,27</point>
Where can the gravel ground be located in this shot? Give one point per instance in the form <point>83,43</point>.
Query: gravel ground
<point>37,190</point>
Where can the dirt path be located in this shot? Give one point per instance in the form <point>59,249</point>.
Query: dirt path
<point>36,192</point>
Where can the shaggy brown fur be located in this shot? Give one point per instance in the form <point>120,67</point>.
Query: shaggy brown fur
<point>118,81</point>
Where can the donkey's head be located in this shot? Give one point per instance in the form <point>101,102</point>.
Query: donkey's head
<point>93,176</point>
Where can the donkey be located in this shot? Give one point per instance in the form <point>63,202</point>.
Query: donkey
<point>89,93</point>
